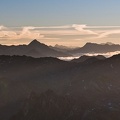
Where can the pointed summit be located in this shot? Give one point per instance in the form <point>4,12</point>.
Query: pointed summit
<point>34,43</point>
<point>35,40</point>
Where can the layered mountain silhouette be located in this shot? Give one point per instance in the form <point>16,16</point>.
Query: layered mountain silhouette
<point>33,49</point>
<point>37,49</point>
<point>62,48</point>
<point>90,91</point>
<point>96,48</point>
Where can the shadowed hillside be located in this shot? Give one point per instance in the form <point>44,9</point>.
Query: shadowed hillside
<point>92,87</point>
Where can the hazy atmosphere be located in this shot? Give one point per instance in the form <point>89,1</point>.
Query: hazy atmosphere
<point>59,59</point>
<point>70,22</point>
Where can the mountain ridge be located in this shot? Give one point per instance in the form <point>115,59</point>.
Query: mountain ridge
<point>33,49</point>
<point>96,83</point>
<point>96,48</point>
<point>87,58</point>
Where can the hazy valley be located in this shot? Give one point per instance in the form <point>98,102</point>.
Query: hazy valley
<point>60,60</point>
<point>47,88</point>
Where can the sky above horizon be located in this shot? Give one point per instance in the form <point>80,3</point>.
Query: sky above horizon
<point>65,22</point>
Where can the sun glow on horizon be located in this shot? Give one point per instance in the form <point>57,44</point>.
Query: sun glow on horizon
<point>75,35</point>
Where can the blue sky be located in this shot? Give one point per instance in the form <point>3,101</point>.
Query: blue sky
<point>59,12</point>
<point>49,13</point>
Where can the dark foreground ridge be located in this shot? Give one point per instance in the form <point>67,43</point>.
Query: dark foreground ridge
<point>50,106</point>
<point>50,89</point>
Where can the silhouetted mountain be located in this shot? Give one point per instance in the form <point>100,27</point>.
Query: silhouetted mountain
<point>96,48</point>
<point>35,44</point>
<point>109,43</point>
<point>34,49</point>
<point>92,89</point>
<point>62,48</point>
<point>88,58</point>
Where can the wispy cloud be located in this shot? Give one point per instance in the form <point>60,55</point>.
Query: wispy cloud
<point>27,33</point>
<point>100,34</point>
<point>55,27</point>
<point>2,27</point>
<point>102,27</point>
<point>24,33</point>
<point>80,32</point>
<point>108,32</point>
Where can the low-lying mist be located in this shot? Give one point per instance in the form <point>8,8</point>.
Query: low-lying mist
<point>107,55</point>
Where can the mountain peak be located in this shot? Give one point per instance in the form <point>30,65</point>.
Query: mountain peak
<point>35,43</point>
<point>94,44</point>
<point>89,44</point>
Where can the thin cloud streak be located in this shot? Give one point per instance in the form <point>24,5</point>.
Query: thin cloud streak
<point>81,29</point>
<point>107,33</point>
<point>57,32</point>
<point>48,27</point>
<point>102,27</point>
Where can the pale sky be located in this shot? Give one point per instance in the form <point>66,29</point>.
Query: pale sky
<point>65,22</point>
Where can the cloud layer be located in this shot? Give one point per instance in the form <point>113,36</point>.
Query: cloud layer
<point>67,33</point>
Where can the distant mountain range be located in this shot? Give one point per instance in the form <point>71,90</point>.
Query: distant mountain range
<point>37,49</point>
<point>47,88</point>
<point>63,48</point>
<point>90,89</point>
<point>96,48</point>
<point>33,49</point>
